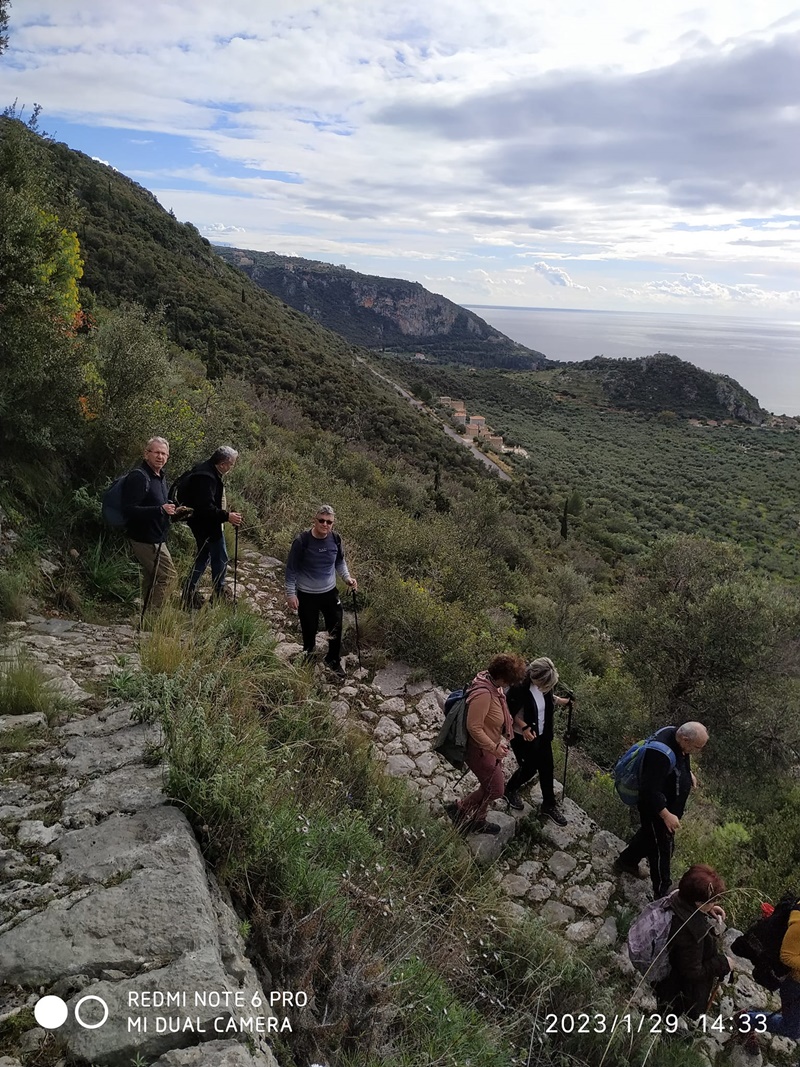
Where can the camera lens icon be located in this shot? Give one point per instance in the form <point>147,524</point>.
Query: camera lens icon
<point>51,1012</point>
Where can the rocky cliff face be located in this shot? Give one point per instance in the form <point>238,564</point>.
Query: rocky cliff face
<point>382,312</point>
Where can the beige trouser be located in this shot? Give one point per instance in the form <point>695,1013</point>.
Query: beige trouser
<point>158,572</point>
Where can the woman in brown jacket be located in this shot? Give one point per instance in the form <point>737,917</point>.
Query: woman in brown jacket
<point>489,728</point>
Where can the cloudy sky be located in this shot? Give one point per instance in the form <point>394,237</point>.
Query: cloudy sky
<point>616,155</point>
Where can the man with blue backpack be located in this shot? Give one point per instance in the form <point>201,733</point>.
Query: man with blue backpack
<point>655,775</point>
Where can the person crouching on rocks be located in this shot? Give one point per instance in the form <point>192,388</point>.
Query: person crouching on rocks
<point>532,703</point>
<point>489,730</point>
<point>696,961</point>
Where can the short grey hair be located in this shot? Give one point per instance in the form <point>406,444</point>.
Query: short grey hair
<point>224,454</point>
<point>324,509</point>
<point>157,441</point>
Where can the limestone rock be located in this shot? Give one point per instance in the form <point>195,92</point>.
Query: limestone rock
<point>216,1054</point>
<point>35,833</point>
<point>413,745</point>
<point>580,932</point>
<point>391,681</point>
<point>515,885</point>
<point>400,766</point>
<point>36,720</point>
<point>562,864</point>
<point>428,763</point>
<point>557,914</point>
<point>429,710</point>
<point>395,706</point>
<point>128,789</point>
<point>593,899</point>
<point>386,730</point>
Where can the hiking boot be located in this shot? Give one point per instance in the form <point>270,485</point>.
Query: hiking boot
<point>483,828</point>
<point>335,667</point>
<point>513,800</point>
<point>191,600</point>
<point>223,594</point>
<point>619,867</point>
<point>552,811</point>
<point>456,816</point>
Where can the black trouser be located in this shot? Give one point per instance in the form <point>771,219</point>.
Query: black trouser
<point>533,756</point>
<point>654,841</point>
<point>309,605</point>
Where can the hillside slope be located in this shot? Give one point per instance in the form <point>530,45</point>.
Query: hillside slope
<point>136,251</point>
<point>382,312</point>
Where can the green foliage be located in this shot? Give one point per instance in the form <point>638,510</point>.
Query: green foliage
<point>39,270</point>
<point>24,689</point>
<point>708,640</point>
<point>125,366</point>
<point>14,587</point>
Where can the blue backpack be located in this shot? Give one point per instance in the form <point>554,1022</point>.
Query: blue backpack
<point>628,768</point>
<point>112,500</point>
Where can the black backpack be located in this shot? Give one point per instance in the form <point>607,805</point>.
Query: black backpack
<point>180,484</point>
<point>451,743</point>
<point>761,943</point>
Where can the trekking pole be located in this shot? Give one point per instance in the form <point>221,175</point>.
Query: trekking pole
<point>235,563</point>
<point>146,601</point>
<point>568,739</point>
<point>358,638</point>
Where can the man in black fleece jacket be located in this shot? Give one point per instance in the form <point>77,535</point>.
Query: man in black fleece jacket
<point>203,492</point>
<point>147,511</point>
<point>664,787</point>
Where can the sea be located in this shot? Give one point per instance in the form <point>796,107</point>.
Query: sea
<point>763,355</point>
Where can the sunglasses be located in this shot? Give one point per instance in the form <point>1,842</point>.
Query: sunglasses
<point>325,522</point>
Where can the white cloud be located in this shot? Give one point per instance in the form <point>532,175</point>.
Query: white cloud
<point>606,144</point>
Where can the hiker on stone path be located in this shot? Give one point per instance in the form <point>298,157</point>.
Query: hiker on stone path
<point>489,727</point>
<point>315,558</point>
<point>202,490</point>
<point>696,961</point>
<point>663,792</point>
<point>786,1022</point>
<point>147,512</point>
<point>532,705</point>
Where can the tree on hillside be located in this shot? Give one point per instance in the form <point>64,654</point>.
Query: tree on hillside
<point>4,16</point>
<point>709,640</point>
<point>40,266</point>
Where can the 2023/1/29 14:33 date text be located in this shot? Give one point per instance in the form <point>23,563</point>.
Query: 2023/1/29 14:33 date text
<point>585,1023</point>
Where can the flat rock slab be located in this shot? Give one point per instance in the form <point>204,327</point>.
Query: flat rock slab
<point>129,789</point>
<point>157,838</point>
<point>113,1045</point>
<point>158,912</point>
<point>215,1054</point>
<point>391,681</point>
<point>99,755</point>
<point>108,721</point>
<point>35,720</point>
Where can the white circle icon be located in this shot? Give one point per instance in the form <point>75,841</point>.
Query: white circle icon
<point>50,1012</point>
<point>83,1000</point>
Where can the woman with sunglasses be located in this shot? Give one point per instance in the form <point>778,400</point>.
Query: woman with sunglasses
<point>315,558</point>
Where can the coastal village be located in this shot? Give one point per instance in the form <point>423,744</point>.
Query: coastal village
<point>475,426</point>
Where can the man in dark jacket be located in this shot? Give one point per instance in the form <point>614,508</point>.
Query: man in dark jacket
<point>147,511</point>
<point>664,788</point>
<point>203,491</point>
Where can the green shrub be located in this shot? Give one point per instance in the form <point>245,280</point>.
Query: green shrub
<point>13,595</point>
<point>24,689</point>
